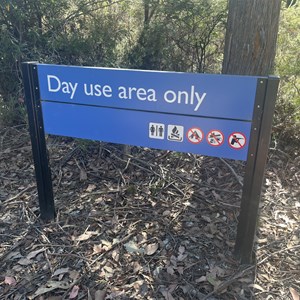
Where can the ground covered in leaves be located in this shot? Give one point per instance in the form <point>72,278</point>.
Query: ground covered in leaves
<point>146,225</point>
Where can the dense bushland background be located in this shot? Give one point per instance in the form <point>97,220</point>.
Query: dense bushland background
<point>181,35</point>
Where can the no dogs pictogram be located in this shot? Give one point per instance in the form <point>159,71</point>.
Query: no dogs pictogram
<point>237,140</point>
<point>215,138</point>
<point>194,135</point>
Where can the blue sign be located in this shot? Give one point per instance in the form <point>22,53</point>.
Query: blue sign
<point>154,130</point>
<point>197,113</point>
<point>207,95</point>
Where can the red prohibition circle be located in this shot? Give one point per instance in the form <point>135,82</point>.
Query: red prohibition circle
<point>241,146</point>
<point>191,131</point>
<point>219,143</point>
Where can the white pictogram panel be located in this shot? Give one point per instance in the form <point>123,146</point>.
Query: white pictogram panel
<point>194,135</point>
<point>215,138</point>
<point>237,140</point>
<point>175,133</point>
<point>156,131</point>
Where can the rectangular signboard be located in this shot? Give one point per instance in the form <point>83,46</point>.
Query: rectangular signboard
<point>207,95</point>
<point>214,115</point>
<point>197,113</point>
<point>154,130</point>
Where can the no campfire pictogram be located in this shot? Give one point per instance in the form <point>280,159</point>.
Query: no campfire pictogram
<point>194,135</point>
<point>215,138</point>
<point>237,140</point>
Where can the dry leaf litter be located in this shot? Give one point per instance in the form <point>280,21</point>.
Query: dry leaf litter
<point>146,225</point>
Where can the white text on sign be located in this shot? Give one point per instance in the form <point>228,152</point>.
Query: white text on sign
<point>189,97</point>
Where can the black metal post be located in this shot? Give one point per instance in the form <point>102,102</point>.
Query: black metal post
<point>255,168</point>
<point>38,142</point>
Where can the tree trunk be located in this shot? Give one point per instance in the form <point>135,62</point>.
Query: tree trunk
<point>251,35</point>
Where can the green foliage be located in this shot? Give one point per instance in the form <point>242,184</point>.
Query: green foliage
<point>287,117</point>
<point>55,31</point>
<point>195,32</point>
<point>181,35</point>
<point>10,113</point>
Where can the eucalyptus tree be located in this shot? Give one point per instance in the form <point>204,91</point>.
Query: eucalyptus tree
<point>251,36</point>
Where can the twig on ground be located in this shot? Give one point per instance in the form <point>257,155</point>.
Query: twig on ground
<point>277,252</point>
<point>232,170</point>
<point>206,185</point>
<point>18,243</point>
<point>18,195</point>
<point>150,171</point>
<point>25,282</point>
<point>228,282</point>
<point>102,193</point>
<point>69,255</point>
<point>112,247</point>
<point>68,156</point>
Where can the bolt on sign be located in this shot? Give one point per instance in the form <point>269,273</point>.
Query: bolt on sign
<point>215,115</point>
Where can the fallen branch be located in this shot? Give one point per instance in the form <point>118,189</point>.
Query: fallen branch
<point>232,170</point>
<point>277,252</point>
<point>18,195</point>
<point>112,247</point>
<point>228,282</point>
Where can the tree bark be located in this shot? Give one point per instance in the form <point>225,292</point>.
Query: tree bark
<point>251,35</point>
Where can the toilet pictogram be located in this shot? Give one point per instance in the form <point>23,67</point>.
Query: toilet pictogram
<point>156,131</point>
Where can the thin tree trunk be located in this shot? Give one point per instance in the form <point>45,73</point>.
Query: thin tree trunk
<point>251,35</point>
